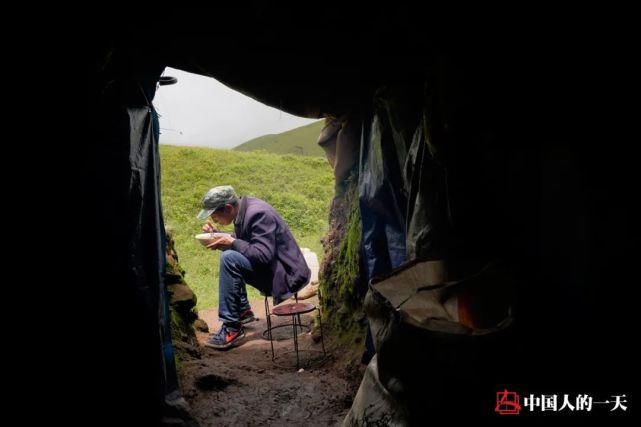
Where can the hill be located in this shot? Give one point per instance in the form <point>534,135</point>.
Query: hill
<point>301,141</point>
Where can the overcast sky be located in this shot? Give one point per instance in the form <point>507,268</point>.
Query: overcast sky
<point>201,111</point>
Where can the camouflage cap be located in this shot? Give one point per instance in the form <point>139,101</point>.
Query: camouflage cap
<point>215,198</point>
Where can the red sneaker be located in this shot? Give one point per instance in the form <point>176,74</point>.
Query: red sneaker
<point>225,338</point>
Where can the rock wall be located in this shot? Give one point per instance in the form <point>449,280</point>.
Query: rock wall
<point>342,286</point>
<point>182,306</point>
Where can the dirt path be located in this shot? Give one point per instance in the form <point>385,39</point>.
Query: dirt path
<point>241,386</point>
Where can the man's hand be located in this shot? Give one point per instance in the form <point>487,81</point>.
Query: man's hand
<point>222,243</point>
<point>209,228</point>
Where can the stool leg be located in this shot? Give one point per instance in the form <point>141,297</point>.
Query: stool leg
<point>299,322</point>
<point>268,315</point>
<point>296,342</point>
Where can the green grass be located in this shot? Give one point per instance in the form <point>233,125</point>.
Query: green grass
<point>300,188</point>
<point>301,141</point>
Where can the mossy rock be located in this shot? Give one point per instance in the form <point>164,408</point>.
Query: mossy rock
<point>341,277</point>
<point>173,272</point>
<point>182,301</point>
<point>201,325</point>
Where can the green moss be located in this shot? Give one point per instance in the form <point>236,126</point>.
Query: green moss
<point>181,329</point>
<point>340,274</point>
<point>347,271</point>
<point>180,314</point>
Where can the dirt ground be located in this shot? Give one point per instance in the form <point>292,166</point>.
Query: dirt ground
<point>242,386</point>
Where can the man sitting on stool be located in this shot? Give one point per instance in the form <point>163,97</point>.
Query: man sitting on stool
<point>262,252</point>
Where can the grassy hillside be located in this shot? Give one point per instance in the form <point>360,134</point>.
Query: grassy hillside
<point>301,140</point>
<point>299,188</point>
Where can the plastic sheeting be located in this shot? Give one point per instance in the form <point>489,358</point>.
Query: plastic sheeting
<point>141,372</point>
<point>381,202</point>
<point>427,364</point>
<point>425,179</point>
<point>385,140</point>
<point>147,232</point>
<point>435,324</point>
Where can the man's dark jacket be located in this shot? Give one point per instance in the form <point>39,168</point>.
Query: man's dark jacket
<point>266,241</point>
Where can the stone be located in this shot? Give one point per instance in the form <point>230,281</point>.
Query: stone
<point>201,325</point>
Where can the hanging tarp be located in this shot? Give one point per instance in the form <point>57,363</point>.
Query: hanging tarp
<point>437,310</point>
<point>381,200</point>
<point>147,243</point>
<point>127,189</point>
<point>427,218</point>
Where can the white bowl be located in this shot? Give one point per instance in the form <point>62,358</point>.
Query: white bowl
<point>207,238</point>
